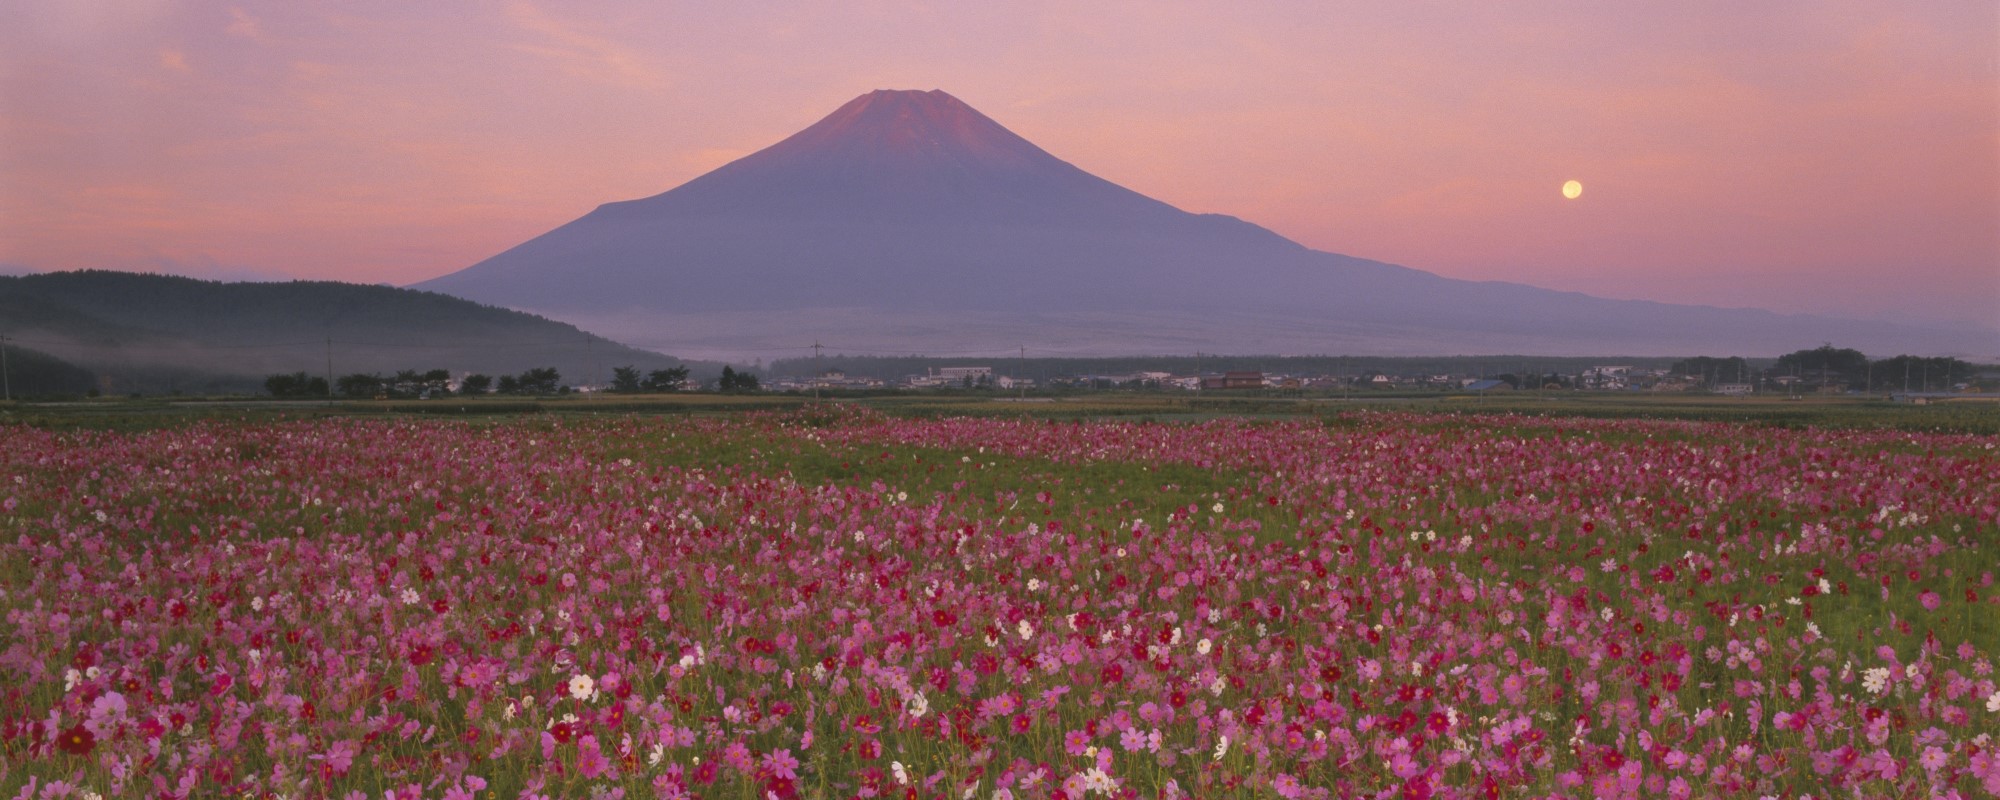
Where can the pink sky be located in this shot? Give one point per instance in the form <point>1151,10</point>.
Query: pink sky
<point>1832,157</point>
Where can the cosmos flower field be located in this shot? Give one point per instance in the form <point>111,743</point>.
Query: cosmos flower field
<point>837,604</point>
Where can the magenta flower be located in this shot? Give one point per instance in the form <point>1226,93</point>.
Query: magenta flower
<point>590,760</point>
<point>781,764</point>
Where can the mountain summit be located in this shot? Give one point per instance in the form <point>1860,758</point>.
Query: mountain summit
<point>895,129</point>
<point>899,155</point>
<point>907,221</point>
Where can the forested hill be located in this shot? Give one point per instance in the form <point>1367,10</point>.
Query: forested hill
<point>142,332</point>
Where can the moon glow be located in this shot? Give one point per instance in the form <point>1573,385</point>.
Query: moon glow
<point>1573,190</point>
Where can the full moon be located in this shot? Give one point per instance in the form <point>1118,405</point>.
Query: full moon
<point>1573,190</point>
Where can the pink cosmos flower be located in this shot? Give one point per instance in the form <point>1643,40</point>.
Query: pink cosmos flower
<point>590,760</point>
<point>781,764</point>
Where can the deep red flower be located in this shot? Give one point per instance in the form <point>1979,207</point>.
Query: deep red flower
<point>76,741</point>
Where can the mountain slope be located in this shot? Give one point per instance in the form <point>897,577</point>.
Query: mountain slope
<point>136,328</point>
<point>905,215</point>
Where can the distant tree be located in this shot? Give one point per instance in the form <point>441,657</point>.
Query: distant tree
<point>1826,365</point>
<point>625,380</point>
<point>1918,374</point>
<point>407,383</point>
<point>297,384</point>
<point>540,380</point>
<point>508,385</point>
<point>316,387</point>
<point>360,384</point>
<point>1711,370</point>
<point>475,385</point>
<point>733,381</point>
<point>438,382</point>
<point>672,379</point>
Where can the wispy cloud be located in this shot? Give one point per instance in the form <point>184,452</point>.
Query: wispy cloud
<point>244,25</point>
<point>174,59</point>
<point>581,53</point>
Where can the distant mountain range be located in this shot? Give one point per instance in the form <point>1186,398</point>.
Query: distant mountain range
<point>152,333</point>
<point>909,222</point>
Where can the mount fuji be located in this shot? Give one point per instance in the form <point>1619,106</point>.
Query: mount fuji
<point>908,222</point>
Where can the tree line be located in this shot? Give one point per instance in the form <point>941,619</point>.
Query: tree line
<point>1827,366</point>
<point>409,383</point>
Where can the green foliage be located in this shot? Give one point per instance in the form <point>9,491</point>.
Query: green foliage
<point>475,385</point>
<point>1919,374</point>
<point>31,373</point>
<point>1712,370</point>
<point>625,380</point>
<point>359,385</point>
<point>296,384</point>
<point>1826,365</point>
<point>160,333</point>
<point>733,381</point>
<point>538,380</point>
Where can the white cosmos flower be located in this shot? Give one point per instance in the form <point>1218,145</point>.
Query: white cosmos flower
<point>1875,679</point>
<point>1218,507</point>
<point>1993,703</point>
<point>1026,629</point>
<point>1203,646</point>
<point>581,686</point>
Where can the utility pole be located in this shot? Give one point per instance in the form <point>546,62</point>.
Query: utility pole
<point>329,368</point>
<point>819,372</point>
<point>6,379</point>
<point>1021,383</point>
